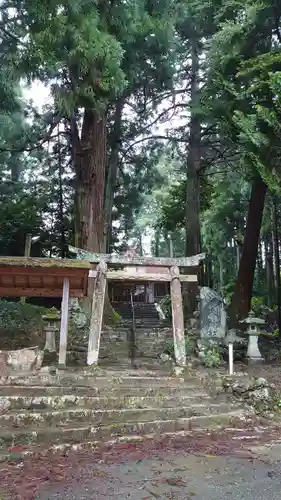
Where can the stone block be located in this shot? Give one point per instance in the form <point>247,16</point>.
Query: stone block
<point>25,360</point>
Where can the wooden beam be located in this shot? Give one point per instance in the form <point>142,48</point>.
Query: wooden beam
<point>38,292</point>
<point>64,324</point>
<point>49,263</point>
<point>178,319</point>
<point>63,272</point>
<point>142,276</point>
<point>141,261</point>
<point>97,315</point>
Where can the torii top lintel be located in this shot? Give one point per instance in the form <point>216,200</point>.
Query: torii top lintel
<point>126,260</point>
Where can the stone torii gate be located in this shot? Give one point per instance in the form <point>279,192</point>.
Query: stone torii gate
<point>136,270</point>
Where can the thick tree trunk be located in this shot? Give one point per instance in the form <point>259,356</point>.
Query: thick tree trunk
<point>90,161</point>
<point>192,207</point>
<point>276,248</point>
<point>63,242</point>
<point>89,156</point>
<point>112,172</point>
<point>241,299</point>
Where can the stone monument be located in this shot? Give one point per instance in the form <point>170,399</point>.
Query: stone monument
<point>212,315</point>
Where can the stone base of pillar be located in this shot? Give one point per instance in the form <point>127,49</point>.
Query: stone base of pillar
<point>253,352</point>
<point>50,344</point>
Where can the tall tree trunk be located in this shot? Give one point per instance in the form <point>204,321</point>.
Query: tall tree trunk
<point>276,247</point>
<point>15,166</point>
<point>209,271</point>
<point>259,268</point>
<point>112,172</point>
<point>241,299</point>
<point>90,161</point>
<point>270,272</point>
<point>238,256</point>
<point>221,274</point>
<point>157,242</point>
<point>64,250</point>
<point>192,207</point>
<point>89,156</point>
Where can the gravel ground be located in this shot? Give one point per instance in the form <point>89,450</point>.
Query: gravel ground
<point>180,477</point>
<point>243,465</point>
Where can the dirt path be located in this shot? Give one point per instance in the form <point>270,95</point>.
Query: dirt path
<point>175,477</point>
<point>229,465</point>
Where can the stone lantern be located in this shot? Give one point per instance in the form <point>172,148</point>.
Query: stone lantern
<point>253,330</point>
<point>51,320</point>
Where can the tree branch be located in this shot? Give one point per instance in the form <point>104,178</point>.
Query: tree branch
<point>155,137</point>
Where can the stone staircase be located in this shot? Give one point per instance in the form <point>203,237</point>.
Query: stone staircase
<point>146,315</point>
<point>80,408</point>
<point>151,333</point>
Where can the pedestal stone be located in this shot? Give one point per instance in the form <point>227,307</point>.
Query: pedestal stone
<point>254,324</point>
<point>51,320</point>
<point>253,352</point>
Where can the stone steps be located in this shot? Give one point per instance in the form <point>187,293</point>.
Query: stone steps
<point>103,417</point>
<point>70,408</point>
<point>44,435</point>
<point>22,391</point>
<point>114,382</point>
<point>61,402</point>
<point>248,435</point>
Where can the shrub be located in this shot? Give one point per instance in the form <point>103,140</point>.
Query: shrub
<point>212,357</point>
<point>190,345</point>
<point>166,306</point>
<point>21,325</point>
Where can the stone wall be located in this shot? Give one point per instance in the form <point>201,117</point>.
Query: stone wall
<point>150,342</point>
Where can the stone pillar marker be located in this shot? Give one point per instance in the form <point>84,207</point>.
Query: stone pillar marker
<point>51,320</point>
<point>64,324</point>
<point>178,319</point>
<point>253,330</point>
<point>97,314</point>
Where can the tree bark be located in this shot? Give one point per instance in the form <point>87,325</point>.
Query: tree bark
<point>112,172</point>
<point>63,242</point>
<point>89,156</point>
<point>270,272</point>
<point>276,248</point>
<point>89,161</point>
<point>241,299</point>
<point>192,207</point>
<point>157,242</point>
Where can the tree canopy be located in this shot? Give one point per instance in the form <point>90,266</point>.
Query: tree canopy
<point>162,125</point>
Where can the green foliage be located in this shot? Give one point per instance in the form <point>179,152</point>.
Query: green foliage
<point>258,306</point>
<point>17,316</point>
<point>190,345</point>
<point>21,325</point>
<point>166,306</point>
<point>211,356</point>
<point>19,215</point>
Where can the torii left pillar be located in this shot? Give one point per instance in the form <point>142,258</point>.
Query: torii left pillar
<point>97,314</point>
<point>64,324</point>
<point>177,316</point>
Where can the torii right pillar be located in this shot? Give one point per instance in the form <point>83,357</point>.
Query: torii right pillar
<point>178,318</point>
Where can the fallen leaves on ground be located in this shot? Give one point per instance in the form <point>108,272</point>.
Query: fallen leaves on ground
<point>23,480</point>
